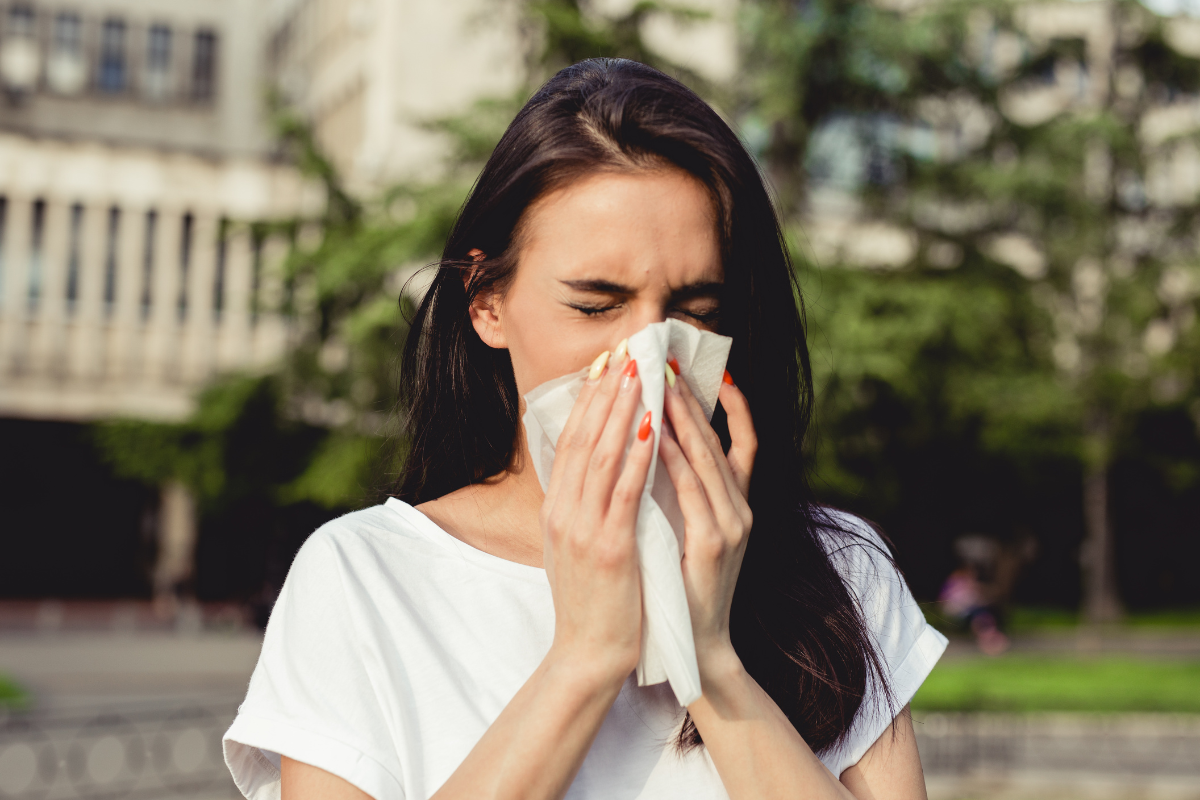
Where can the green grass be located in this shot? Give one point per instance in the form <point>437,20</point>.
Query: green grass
<point>1048,620</point>
<point>12,695</point>
<point>1057,683</point>
<point>1026,619</point>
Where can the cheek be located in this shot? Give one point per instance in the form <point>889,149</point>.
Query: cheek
<point>545,342</point>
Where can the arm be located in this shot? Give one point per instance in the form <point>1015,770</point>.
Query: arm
<point>534,748</point>
<point>738,744</point>
<point>753,745</point>
<point>758,753</point>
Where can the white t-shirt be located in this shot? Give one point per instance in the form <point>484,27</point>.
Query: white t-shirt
<point>393,646</point>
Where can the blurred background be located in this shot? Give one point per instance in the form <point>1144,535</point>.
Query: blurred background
<point>208,212</point>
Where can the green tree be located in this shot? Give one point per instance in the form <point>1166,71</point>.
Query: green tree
<point>1051,293</point>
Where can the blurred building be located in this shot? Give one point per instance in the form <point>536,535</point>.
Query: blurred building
<point>133,153</point>
<point>132,141</point>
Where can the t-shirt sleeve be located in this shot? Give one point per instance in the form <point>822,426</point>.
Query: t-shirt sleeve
<point>908,645</point>
<point>311,697</point>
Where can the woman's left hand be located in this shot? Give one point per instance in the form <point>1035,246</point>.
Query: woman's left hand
<point>713,488</point>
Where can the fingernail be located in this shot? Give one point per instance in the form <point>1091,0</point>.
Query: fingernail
<point>629,374</point>
<point>670,376</point>
<point>621,351</point>
<point>644,428</point>
<point>674,365</point>
<point>598,367</point>
<point>728,378</point>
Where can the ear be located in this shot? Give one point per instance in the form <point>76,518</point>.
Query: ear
<point>485,310</point>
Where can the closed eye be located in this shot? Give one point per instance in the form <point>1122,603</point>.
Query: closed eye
<point>592,310</point>
<point>707,317</point>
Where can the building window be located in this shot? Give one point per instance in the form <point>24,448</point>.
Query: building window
<point>148,263</point>
<point>158,63</point>
<point>20,60</point>
<point>185,260</point>
<point>20,21</point>
<point>110,260</point>
<point>73,247</point>
<point>65,70</point>
<point>34,295</point>
<point>204,66</point>
<point>112,56</point>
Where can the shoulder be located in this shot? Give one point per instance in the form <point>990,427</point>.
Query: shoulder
<point>863,560</point>
<point>906,645</point>
<point>856,550</point>
<point>381,539</point>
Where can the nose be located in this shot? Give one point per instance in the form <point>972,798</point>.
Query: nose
<point>646,312</point>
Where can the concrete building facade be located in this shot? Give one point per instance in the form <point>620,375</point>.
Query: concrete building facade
<point>134,151</point>
<point>133,147</point>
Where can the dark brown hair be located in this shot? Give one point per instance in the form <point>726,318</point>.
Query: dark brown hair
<point>794,625</point>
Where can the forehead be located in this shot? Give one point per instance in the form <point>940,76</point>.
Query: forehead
<point>640,228</point>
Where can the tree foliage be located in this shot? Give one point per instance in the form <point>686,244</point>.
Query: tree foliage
<point>1049,294</point>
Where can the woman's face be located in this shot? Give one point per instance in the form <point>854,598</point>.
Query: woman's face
<point>601,259</point>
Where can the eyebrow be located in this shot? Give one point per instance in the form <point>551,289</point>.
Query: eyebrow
<point>600,286</point>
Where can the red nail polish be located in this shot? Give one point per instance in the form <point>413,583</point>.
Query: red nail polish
<point>728,378</point>
<point>644,428</point>
<point>631,370</point>
<point>674,365</point>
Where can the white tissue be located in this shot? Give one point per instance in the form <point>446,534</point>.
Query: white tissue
<point>668,650</point>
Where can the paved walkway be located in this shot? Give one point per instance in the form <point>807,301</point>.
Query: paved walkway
<point>140,714</point>
<point>130,715</point>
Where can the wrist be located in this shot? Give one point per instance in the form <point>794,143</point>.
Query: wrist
<point>721,672</point>
<point>599,676</point>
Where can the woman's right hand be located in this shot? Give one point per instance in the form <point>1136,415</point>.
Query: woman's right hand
<point>588,524</point>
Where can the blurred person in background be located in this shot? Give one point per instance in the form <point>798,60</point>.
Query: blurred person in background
<point>475,637</point>
<point>963,600</point>
<point>977,592</point>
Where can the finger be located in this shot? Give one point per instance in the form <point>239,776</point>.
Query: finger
<point>693,500</point>
<point>575,431</point>
<point>700,445</point>
<point>604,466</point>
<point>627,494</point>
<point>573,453</point>
<point>743,438</point>
<point>710,436</point>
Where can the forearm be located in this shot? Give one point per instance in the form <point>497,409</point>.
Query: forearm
<point>534,748</point>
<point>754,746</point>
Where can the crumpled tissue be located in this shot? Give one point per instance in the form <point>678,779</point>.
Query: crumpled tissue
<point>668,649</point>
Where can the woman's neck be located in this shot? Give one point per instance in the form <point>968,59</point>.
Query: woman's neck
<point>498,516</point>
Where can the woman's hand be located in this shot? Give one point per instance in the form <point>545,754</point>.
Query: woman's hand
<point>588,523</point>
<point>713,488</point>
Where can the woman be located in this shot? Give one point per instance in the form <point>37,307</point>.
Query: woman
<point>474,637</point>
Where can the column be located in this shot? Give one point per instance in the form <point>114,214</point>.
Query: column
<point>49,341</point>
<point>233,335</point>
<point>163,326</point>
<point>197,361</point>
<point>176,546</point>
<point>17,229</point>
<point>85,349</point>
<point>270,328</point>
<point>123,335</point>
